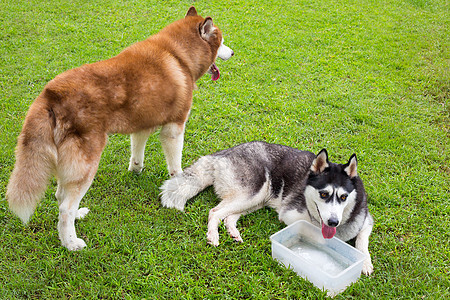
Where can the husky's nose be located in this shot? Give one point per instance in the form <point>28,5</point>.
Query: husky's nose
<point>333,222</point>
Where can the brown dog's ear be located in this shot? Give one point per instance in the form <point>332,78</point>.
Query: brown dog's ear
<point>320,163</point>
<point>351,166</point>
<point>191,12</point>
<point>207,28</point>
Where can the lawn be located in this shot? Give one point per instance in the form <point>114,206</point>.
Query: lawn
<point>358,76</point>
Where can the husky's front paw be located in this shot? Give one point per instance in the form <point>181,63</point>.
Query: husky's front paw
<point>367,268</point>
<point>213,238</point>
<point>75,245</point>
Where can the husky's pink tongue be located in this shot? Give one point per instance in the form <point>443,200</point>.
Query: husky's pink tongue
<point>215,74</point>
<point>327,231</point>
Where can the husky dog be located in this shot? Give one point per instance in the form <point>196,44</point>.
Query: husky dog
<point>146,86</point>
<point>297,184</point>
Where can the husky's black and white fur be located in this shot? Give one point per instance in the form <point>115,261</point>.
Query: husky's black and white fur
<point>297,184</point>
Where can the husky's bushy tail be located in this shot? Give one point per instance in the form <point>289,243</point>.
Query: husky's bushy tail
<point>36,156</point>
<point>180,188</point>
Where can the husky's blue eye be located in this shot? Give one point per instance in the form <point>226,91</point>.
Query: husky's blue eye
<point>323,195</point>
<point>343,197</point>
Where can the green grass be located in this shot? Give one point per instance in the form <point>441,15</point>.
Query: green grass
<point>370,77</point>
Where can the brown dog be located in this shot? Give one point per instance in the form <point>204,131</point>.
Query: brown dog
<point>147,85</point>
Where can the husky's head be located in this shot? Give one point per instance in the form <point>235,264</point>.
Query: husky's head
<point>329,190</point>
<point>213,36</point>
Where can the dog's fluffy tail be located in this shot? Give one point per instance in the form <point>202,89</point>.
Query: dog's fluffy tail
<point>36,156</point>
<point>180,188</point>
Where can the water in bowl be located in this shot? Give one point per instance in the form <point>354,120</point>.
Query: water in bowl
<point>325,258</point>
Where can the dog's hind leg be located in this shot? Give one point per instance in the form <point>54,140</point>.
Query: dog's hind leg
<point>77,165</point>
<point>171,138</point>
<point>138,141</point>
<point>231,208</point>
<point>60,193</point>
<point>69,200</point>
<point>216,215</point>
<point>230,223</point>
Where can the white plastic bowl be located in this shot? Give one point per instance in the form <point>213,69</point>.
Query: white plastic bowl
<point>329,264</point>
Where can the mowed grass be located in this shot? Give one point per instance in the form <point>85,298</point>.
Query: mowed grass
<point>364,77</point>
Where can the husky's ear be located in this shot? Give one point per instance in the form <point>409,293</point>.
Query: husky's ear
<point>320,163</point>
<point>207,28</point>
<point>191,12</point>
<point>351,166</point>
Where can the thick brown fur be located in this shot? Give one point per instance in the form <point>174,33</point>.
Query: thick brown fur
<point>147,85</point>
